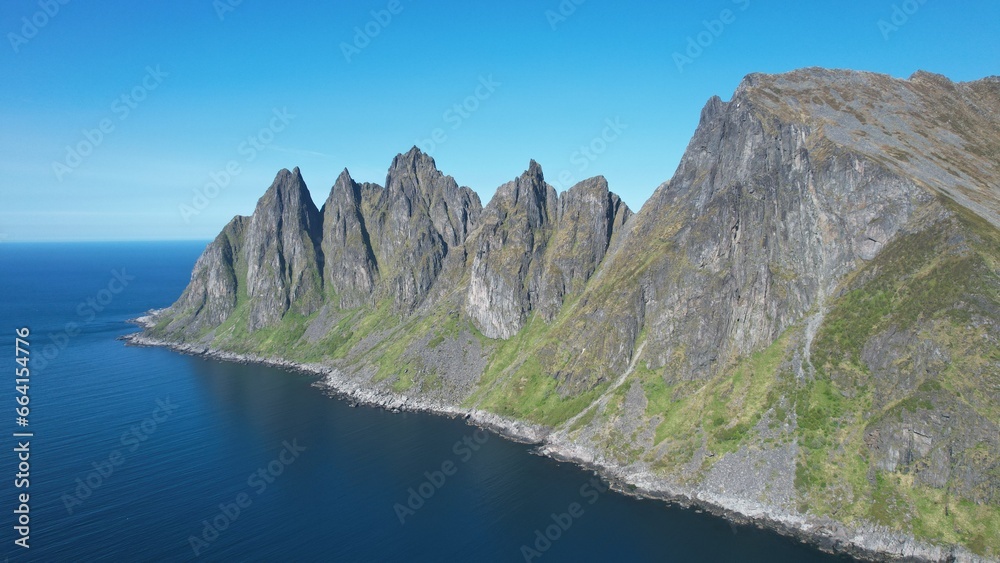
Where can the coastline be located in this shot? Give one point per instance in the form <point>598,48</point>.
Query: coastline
<point>869,543</point>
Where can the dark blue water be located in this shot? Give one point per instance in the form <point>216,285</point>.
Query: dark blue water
<point>135,449</point>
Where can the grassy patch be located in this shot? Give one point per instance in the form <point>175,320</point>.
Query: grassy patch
<point>932,284</point>
<point>722,411</point>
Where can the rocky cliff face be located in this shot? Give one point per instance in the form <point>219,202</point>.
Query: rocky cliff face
<point>507,253</point>
<point>282,249</point>
<point>534,248</point>
<point>367,244</point>
<point>212,295</point>
<point>762,218</point>
<point>270,263</point>
<point>419,218</point>
<point>804,321</point>
<point>350,268</point>
<point>590,218</point>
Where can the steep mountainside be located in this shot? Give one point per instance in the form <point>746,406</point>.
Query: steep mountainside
<point>802,325</point>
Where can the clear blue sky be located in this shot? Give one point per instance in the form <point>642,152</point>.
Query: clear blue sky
<point>556,82</point>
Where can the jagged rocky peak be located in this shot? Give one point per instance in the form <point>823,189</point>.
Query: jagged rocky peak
<point>530,194</point>
<point>418,219</point>
<point>712,108</point>
<point>350,270</point>
<point>590,216</point>
<point>507,251</point>
<point>534,248</point>
<point>271,261</point>
<point>453,209</point>
<point>593,199</point>
<point>282,246</point>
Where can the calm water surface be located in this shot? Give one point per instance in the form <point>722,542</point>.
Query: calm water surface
<point>135,449</point>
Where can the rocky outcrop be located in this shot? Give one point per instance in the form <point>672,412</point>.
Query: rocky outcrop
<point>212,294</point>
<point>507,252</point>
<point>760,221</point>
<point>590,217</point>
<point>349,266</point>
<point>534,248</point>
<point>367,244</point>
<point>420,217</point>
<point>268,263</point>
<point>282,250</point>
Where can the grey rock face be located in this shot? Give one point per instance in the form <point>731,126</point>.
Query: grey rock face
<point>534,248</point>
<point>417,220</point>
<point>212,294</point>
<point>282,248</point>
<point>927,127</point>
<point>770,229</point>
<point>349,267</point>
<point>367,243</point>
<point>763,216</point>
<point>589,217</point>
<point>941,447</point>
<point>507,252</point>
<point>530,249</point>
<point>902,359</point>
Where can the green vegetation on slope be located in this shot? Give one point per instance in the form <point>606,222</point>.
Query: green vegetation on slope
<point>720,413</point>
<point>935,289</point>
<point>525,386</point>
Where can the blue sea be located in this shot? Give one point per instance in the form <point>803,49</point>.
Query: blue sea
<point>143,454</point>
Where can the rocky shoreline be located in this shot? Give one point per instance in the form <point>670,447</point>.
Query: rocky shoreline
<point>869,543</point>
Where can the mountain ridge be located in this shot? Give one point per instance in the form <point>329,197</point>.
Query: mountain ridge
<point>814,291</point>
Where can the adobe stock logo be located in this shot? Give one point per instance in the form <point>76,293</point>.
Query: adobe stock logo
<point>588,153</point>
<point>231,509</point>
<point>31,27</point>
<point>223,7</point>
<point>563,11</point>
<point>364,35</point>
<point>456,115</point>
<point>713,29</point>
<point>901,14</point>
<point>121,107</point>
<point>558,524</point>
<point>435,479</point>
<point>106,467</point>
<point>221,179</point>
<point>87,311</point>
